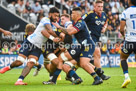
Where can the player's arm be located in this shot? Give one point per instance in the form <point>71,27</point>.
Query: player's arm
<point>104,27</point>
<point>70,30</point>
<point>49,36</point>
<point>6,33</point>
<point>123,23</point>
<point>49,29</point>
<point>122,27</point>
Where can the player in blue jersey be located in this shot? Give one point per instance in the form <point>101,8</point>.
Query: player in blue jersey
<point>85,53</point>
<point>128,20</point>
<point>96,21</point>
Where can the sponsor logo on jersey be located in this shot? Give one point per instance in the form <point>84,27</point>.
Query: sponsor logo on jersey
<point>73,52</point>
<point>98,22</point>
<point>96,17</point>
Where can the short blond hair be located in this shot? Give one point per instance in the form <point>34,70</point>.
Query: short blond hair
<point>30,28</point>
<point>99,1</point>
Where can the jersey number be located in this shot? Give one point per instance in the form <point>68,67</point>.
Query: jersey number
<point>134,25</point>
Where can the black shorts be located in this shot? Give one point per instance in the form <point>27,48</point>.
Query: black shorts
<point>129,47</point>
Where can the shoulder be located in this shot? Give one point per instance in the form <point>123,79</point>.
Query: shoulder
<point>90,12</point>
<point>127,10</point>
<point>45,19</point>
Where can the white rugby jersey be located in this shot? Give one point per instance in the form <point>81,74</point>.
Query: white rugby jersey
<point>37,38</point>
<point>67,24</point>
<point>129,15</point>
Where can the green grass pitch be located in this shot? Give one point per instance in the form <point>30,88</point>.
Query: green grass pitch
<point>8,79</point>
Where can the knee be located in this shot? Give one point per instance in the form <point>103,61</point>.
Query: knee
<point>31,62</point>
<point>66,68</point>
<point>55,61</point>
<point>82,64</point>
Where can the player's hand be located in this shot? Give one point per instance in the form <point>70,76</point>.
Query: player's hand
<point>7,33</point>
<point>56,25</point>
<point>56,40</point>
<point>103,30</point>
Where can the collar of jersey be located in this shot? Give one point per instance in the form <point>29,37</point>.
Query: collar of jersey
<point>77,20</point>
<point>97,14</point>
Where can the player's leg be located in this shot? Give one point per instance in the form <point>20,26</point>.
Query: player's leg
<point>23,53</point>
<point>67,68</point>
<point>97,57</point>
<point>125,52</point>
<point>85,57</point>
<point>39,67</point>
<point>31,62</point>
<point>32,59</point>
<point>85,64</point>
<point>124,66</point>
<point>97,62</point>
<point>20,60</point>
<point>54,63</point>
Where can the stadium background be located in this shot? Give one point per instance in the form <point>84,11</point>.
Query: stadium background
<point>15,14</point>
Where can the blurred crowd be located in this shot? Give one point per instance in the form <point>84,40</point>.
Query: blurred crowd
<point>12,48</point>
<point>34,10</point>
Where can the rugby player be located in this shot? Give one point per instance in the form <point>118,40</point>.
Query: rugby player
<point>81,33</point>
<point>96,21</point>
<point>128,20</point>
<point>31,48</point>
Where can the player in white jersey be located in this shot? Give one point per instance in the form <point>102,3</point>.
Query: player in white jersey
<point>31,48</point>
<point>129,20</point>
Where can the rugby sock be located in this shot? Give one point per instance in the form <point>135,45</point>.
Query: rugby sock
<point>124,66</point>
<point>98,71</point>
<point>51,76</point>
<point>92,61</point>
<point>72,73</point>
<point>39,66</point>
<point>20,78</point>
<point>56,74</point>
<point>95,76</point>
<point>68,76</point>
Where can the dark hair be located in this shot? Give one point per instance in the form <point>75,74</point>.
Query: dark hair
<point>133,2</point>
<point>76,9</point>
<point>66,15</point>
<point>54,10</point>
<point>68,39</point>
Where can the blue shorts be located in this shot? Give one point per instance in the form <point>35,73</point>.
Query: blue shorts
<point>129,47</point>
<point>82,51</point>
<point>28,48</point>
<point>96,40</point>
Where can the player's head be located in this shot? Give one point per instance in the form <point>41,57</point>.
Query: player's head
<point>54,14</point>
<point>76,13</point>
<point>98,7</point>
<point>29,29</point>
<point>64,18</point>
<point>132,2</point>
